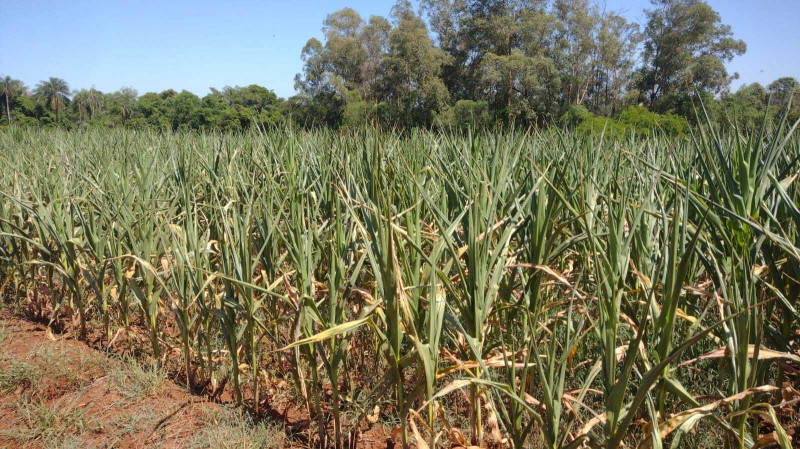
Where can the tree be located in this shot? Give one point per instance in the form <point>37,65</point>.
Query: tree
<point>448,20</point>
<point>469,31</point>
<point>184,107</point>
<point>781,91</point>
<point>614,58</point>
<point>343,47</point>
<point>356,111</point>
<point>318,102</point>
<point>513,69</point>
<point>576,24</point>
<point>375,41</point>
<point>315,69</point>
<point>11,89</point>
<point>80,102</point>
<point>94,102</point>
<point>122,104</point>
<point>527,83</point>
<point>745,107</point>
<point>215,113</point>
<point>7,96</point>
<point>153,111</point>
<point>464,114</point>
<point>341,56</point>
<point>395,67</point>
<point>685,48</point>
<point>54,92</point>
<point>413,66</point>
<point>246,105</point>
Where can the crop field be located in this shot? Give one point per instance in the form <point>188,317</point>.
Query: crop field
<point>497,289</point>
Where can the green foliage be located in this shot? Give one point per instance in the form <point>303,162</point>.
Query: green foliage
<point>693,106</point>
<point>781,92</point>
<point>232,109</point>
<point>54,93</point>
<point>357,112</point>
<point>748,106</point>
<point>685,48</point>
<point>640,120</point>
<point>553,276</point>
<point>575,115</point>
<point>633,120</point>
<point>528,61</point>
<point>465,114</point>
<point>452,64</point>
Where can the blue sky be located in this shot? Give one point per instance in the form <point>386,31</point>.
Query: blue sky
<point>194,45</point>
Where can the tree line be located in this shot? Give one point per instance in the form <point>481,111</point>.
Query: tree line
<point>52,103</point>
<point>456,63</point>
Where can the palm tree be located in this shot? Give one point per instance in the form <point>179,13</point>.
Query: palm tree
<point>54,92</point>
<point>92,102</point>
<point>11,88</point>
<point>126,98</point>
<point>79,100</point>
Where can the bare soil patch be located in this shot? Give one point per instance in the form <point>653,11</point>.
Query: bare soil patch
<point>56,391</point>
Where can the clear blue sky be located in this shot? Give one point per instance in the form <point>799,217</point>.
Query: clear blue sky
<point>194,45</point>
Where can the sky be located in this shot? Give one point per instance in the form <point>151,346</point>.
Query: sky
<point>194,45</point>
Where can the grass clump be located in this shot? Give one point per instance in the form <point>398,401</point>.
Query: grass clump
<point>230,428</point>
<point>133,380</point>
<point>58,424</point>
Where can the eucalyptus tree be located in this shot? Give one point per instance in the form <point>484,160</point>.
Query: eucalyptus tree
<point>575,29</point>
<point>614,59</point>
<point>337,60</point>
<point>686,46</point>
<point>517,76</point>
<point>375,40</point>
<point>413,67</point>
<point>782,91</point>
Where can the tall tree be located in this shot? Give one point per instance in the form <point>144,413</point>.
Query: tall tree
<point>337,62</point>
<point>54,92</point>
<point>375,42</point>
<point>575,44</point>
<point>447,19</point>
<point>94,102</point>
<point>614,59</point>
<point>746,107</point>
<point>782,89</point>
<point>11,88</point>
<point>80,103</point>
<point>413,68</point>
<point>343,47</point>
<point>686,46</point>
<point>316,69</point>
<point>529,85</point>
<point>123,102</point>
<point>501,52</point>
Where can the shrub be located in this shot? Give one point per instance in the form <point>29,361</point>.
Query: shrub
<point>575,115</point>
<point>634,119</point>
<point>357,112</point>
<point>473,113</point>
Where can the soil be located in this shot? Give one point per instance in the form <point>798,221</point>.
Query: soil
<point>89,396</point>
<point>57,391</point>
